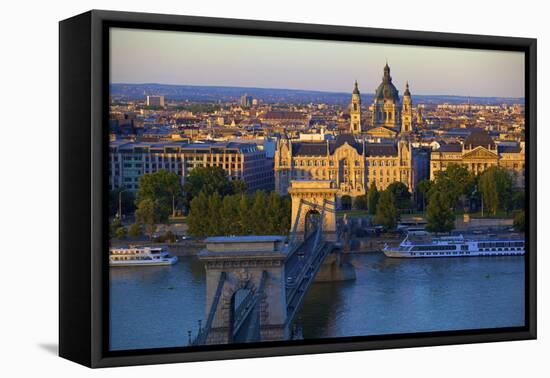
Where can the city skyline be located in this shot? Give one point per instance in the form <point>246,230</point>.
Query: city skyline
<point>140,56</point>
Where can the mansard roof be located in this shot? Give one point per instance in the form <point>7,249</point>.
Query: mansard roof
<point>479,137</point>
<point>309,149</point>
<point>343,139</point>
<point>320,148</point>
<point>450,147</point>
<point>509,149</point>
<point>380,149</point>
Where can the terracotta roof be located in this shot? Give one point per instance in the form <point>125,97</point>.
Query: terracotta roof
<point>282,115</point>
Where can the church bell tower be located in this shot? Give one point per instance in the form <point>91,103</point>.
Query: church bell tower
<point>355,111</point>
<point>406,113</point>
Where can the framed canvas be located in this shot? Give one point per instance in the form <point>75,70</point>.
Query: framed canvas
<point>236,188</point>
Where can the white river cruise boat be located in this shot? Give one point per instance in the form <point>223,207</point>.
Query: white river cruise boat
<point>142,256</point>
<point>456,246</point>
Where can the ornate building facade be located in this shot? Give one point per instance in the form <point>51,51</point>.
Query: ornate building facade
<point>479,152</point>
<point>352,164</point>
<point>349,160</point>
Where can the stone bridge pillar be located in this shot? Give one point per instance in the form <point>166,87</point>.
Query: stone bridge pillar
<point>305,194</point>
<point>244,259</point>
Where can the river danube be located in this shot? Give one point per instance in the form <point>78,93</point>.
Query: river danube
<point>154,307</point>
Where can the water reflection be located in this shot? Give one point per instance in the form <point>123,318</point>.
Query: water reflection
<point>420,295</point>
<point>154,307</point>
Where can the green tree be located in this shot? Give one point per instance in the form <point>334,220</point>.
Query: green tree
<point>386,210</point>
<point>285,215</point>
<point>373,197</point>
<point>346,202</point>
<point>121,232</point>
<point>273,211</point>
<point>245,221</point>
<point>114,226</point>
<point>401,194</point>
<point>361,202</point>
<point>162,187</point>
<point>422,189</point>
<point>518,200</point>
<point>229,215</point>
<point>439,214</point>
<point>519,221</point>
<point>134,230</point>
<point>258,214</point>
<point>197,220</point>
<point>455,182</point>
<point>167,237</point>
<point>148,214</point>
<point>238,186</point>
<point>208,180</point>
<point>215,221</point>
<point>496,188</point>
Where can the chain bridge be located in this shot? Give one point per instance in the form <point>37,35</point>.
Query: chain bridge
<point>256,284</point>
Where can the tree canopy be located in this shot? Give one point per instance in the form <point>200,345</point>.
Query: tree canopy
<point>386,210</point>
<point>148,214</point>
<point>422,189</point>
<point>373,196</point>
<point>346,202</point>
<point>163,188</point>
<point>454,182</point>
<point>401,194</point>
<point>495,184</point>
<point>209,180</point>
<point>260,213</point>
<point>439,214</point>
<point>361,202</point>
<point>519,221</point>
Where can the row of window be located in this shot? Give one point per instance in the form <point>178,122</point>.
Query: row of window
<point>434,248</point>
<point>501,244</point>
<point>388,172</point>
<point>323,163</point>
<point>499,249</point>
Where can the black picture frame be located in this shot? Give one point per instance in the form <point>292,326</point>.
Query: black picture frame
<point>83,196</point>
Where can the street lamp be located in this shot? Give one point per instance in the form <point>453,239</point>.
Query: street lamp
<point>120,203</point>
<point>173,206</point>
<point>481,196</point>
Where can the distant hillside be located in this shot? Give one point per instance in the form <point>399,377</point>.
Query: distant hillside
<point>274,95</point>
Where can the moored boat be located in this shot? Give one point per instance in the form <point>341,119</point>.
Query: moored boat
<point>456,246</point>
<point>140,256</point>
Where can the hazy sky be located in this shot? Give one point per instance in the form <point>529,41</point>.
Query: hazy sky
<point>147,56</point>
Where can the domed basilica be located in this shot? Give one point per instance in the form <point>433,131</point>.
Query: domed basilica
<point>389,116</point>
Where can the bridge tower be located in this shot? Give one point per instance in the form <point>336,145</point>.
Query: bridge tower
<point>245,289</point>
<point>310,196</point>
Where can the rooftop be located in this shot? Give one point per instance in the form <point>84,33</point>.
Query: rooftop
<point>479,137</point>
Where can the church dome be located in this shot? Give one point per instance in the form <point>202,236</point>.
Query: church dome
<point>386,90</point>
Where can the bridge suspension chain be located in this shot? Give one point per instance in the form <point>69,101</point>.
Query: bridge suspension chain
<point>202,335</point>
